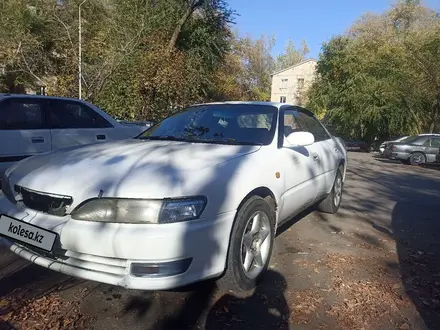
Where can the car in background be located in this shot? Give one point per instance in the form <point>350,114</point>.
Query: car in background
<point>199,195</point>
<point>35,124</point>
<point>356,145</point>
<point>384,144</point>
<point>415,150</point>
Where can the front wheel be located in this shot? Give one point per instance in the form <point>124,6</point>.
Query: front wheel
<point>250,246</point>
<point>332,202</point>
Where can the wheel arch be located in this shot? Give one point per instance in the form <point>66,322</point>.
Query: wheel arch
<point>263,192</point>
<point>417,151</point>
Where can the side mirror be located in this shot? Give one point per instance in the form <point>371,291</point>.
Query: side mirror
<point>300,139</point>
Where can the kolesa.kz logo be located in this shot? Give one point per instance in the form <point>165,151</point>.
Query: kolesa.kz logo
<point>17,230</point>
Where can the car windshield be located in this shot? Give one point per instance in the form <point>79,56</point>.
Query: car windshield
<point>242,124</point>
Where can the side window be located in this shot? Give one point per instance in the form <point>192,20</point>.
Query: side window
<point>435,142</point>
<point>68,114</point>
<point>314,127</point>
<point>427,143</point>
<point>22,114</point>
<point>291,123</point>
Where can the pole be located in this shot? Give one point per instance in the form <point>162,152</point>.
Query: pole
<point>80,52</point>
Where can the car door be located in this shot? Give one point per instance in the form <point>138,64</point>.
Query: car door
<point>300,167</point>
<point>74,123</point>
<point>433,150</point>
<point>326,149</point>
<point>23,129</point>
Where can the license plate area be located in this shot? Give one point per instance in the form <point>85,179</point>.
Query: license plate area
<point>27,233</point>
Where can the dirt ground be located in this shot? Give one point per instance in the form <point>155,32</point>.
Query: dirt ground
<point>374,265</point>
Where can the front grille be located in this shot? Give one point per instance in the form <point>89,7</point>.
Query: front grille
<point>43,202</point>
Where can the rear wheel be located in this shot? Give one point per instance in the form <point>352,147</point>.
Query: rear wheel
<point>417,158</point>
<point>250,246</point>
<point>333,200</point>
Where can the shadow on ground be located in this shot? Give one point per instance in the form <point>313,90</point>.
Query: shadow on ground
<point>411,196</point>
<point>418,246</point>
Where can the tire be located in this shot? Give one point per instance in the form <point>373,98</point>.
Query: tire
<point>331,203</point>
<point>417,158</point>
<point>235,277</point>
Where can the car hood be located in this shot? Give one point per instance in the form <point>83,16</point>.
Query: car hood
<point>130,169</point>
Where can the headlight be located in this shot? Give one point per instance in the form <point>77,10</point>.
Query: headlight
<point>140,210</point>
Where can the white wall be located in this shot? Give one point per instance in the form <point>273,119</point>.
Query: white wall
<point>290,89</point>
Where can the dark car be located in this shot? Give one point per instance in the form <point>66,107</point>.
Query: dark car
<point>415,150</point>
<point>354,145</point>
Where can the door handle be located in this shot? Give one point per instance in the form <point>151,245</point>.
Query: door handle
<point>101,137</point>
<point>37,139</point>
<point>315,157</point>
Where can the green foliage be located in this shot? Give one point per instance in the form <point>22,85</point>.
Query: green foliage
<point>382,77</point>
<point>291,55</point>
<point>141,58</point>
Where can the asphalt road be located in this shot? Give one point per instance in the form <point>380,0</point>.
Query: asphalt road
<point>374,265</point>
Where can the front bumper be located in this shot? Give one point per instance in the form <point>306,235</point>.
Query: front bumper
<point>106,252</point>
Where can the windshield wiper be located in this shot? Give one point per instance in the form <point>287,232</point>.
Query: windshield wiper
<point>233,141</point>
<point>230,141</point>
<point>162,138</point>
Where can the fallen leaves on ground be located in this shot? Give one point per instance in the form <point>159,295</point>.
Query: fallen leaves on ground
<point>307,304</point>
<point>47,312</point>
<point>366,304</point>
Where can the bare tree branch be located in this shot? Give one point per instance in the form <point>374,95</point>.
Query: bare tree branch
<point>67,30</point>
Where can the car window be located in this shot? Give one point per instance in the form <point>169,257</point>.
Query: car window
<point>219,123</point>
<point>427,143</point>
<point>435,142</point>
<point>65,114</point>
<point>22,114</point>
<point>314,127</point>
<point>291,123</point>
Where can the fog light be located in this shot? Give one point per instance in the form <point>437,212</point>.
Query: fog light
<point>162,269</point>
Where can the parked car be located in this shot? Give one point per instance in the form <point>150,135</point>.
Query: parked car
<point>384,144</point>
<point>355,145</point>
<point>34,124</point>
<point>197,196</point>
<point>415,150</point>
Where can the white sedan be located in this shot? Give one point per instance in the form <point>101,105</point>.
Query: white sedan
<point>197,196</point>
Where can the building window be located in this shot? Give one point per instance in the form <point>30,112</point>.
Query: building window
<point>300,83</point>
<point>282,99</point>
<point>284,83</point>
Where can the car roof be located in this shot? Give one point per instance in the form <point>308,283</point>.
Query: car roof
<point>31,96</point>
<point>274,104</point>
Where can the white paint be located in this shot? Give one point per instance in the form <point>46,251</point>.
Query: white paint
<point>300,139</point>
<point>225,174</point>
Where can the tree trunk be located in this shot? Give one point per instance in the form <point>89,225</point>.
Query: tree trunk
<point>192,6</point>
